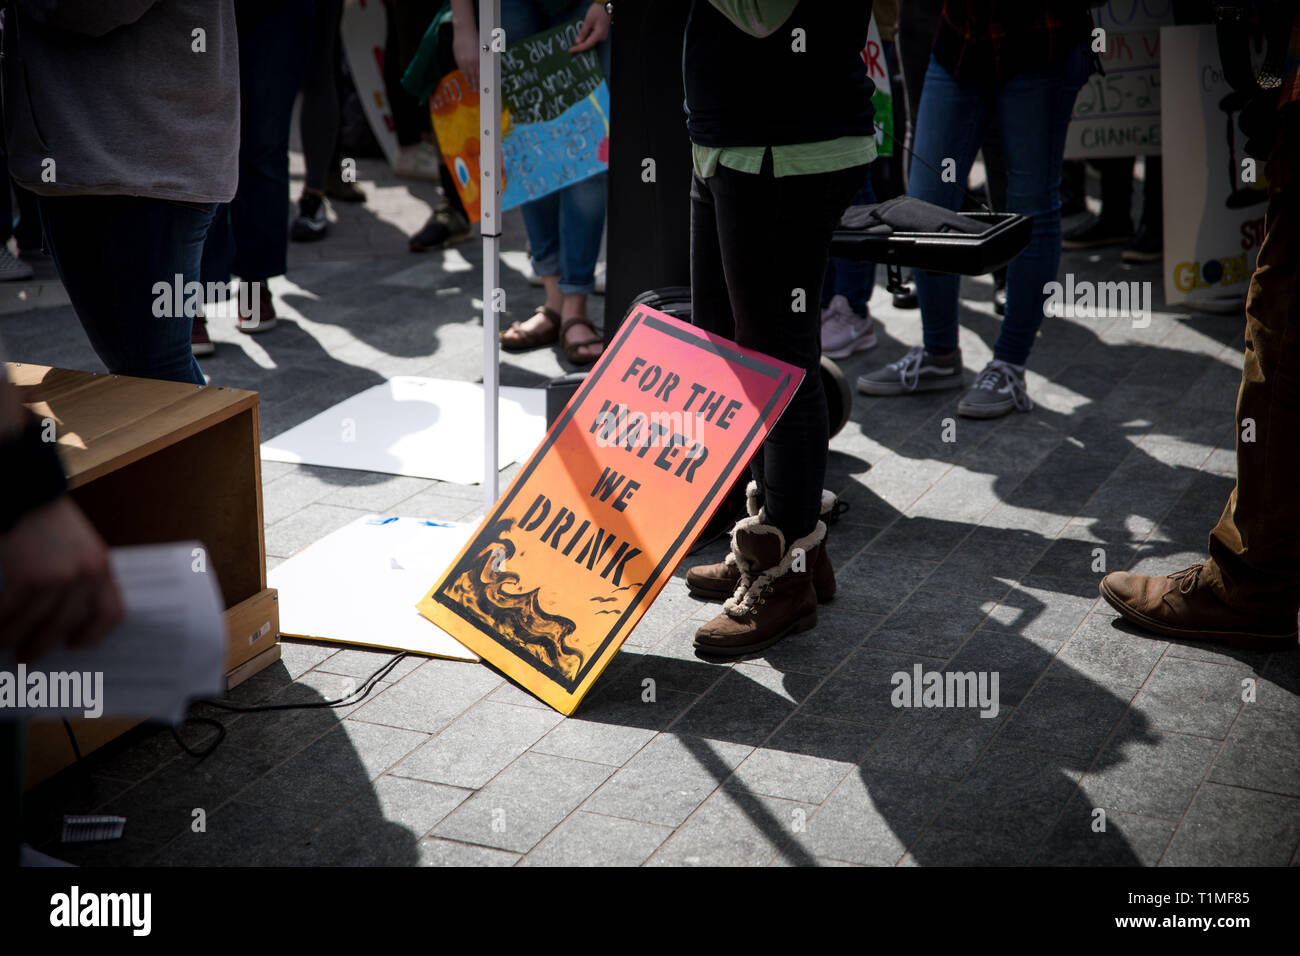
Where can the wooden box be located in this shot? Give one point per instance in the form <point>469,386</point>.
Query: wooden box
<point>151,462</point>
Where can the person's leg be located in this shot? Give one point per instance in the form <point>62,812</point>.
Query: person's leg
<point>319,119</point>
<point>855,280</point>
<point>110,252</point>
<point>1254,563</point>
<point>522,18</point>
<point>272,57</point>
<point>1033,113</point>
<point>950,126</point>
<point>756,217</point>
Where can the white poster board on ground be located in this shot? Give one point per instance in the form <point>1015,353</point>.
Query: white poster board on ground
<point>422,427</point>
<point>360,585</point>
<point>1213,221</point>
<point>1117,113</point>
<point>363,30</point>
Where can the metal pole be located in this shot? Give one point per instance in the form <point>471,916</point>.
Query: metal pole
<point>489,64</point>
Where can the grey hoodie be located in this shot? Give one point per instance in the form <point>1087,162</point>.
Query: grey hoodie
<point>119,96</point>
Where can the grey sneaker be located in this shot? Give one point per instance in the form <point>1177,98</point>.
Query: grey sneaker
<point>917,371</point>
<point>999,389</point>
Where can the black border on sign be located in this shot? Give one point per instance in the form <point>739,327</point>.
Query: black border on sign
<point>638,318</point>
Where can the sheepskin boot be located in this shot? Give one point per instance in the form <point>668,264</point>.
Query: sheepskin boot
<point>774,594</point>
<point>718,581</point>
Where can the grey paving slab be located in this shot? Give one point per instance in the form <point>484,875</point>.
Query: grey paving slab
<point>1017,660</point>
<point>379,827</point>
<point>1229,826</point>
<point>298,657</point>
<point>1067,716</point>
<point>478,745</point>
<point>862,689</point>
<point>162,805</point>
<point>931,623</point>
<point>238,834</point>
<point>803,778</point>
<point>872,817</point>
<point>524,802</point>
<point>1148,772</point>
<point>839,632</point>
<point>436,852</point>
<point>1126,840</point>
<point>668,779</point>
<point>1191,697</point>
<point>746,705</point>
<point>306,525</point>
<point>939,742</point>
<point>1110,653</point>
<point>879,583</point>
<point>334,769</point>
<point>431,696</point>
<point>733,828</point>
<point>987,561</point>
<point>1262,751</point>
<point>1018,793</point>
<point>589,839</point>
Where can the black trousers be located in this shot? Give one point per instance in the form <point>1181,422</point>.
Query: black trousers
<point>759,247</point>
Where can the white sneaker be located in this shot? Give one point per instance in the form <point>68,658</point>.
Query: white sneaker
<point>419,162</point>
<point>844,331</point>
<point>11,269</point>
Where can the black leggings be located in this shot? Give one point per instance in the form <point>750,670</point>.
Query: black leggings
<point>759,247</point>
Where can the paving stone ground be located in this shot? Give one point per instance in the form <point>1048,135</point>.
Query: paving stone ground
<point>979,554</point>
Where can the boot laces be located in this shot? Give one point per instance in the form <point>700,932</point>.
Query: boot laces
<point>1187,578</point>
<point>999,376</point>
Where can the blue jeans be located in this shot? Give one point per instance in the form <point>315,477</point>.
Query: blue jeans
<point>563,227</point>
<point>110,252</point>
<point>847,277</point>
<point>250,234</point>
<point>1033,111</point>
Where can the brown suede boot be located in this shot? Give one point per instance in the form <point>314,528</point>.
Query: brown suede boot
<point>1183,606</point>
<point>772,598</point>
<point>718,581</point>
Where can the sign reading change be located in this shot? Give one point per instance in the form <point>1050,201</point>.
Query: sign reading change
<point>578,547</point>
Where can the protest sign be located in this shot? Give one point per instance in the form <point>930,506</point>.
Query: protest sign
<point>564,565</point>
<point>1117,111</point>
<point>554,120</point>
<point>1214,194</point>
<point>873,55</point>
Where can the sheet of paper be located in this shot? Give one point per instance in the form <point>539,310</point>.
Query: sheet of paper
<point>359,585</point>
<point>170,647</point>
<point>423,427</point>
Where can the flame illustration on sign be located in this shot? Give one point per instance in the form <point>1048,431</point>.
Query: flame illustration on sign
<point>490,593</point>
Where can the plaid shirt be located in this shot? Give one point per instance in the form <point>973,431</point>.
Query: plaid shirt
<point>988,41</point>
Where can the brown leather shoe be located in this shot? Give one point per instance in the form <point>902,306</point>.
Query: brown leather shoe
<point>1183,606</point>
<point>718,581</point>
<point>772,599</point>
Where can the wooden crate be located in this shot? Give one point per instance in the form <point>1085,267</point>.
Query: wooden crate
<point>151,462</point>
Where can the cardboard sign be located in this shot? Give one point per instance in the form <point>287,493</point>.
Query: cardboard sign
<point>362,32</point>
<point>1117,112</point>
<point>554,120</point>
<point>575,551</point>
<point>873,55</point>
<point>1213,205</point>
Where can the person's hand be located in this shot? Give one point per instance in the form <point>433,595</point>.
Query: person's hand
<point>56,583</point>
<point>464,47</point>
<point>594,29</point>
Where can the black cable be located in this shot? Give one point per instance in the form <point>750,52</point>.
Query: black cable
<point>364,691</point>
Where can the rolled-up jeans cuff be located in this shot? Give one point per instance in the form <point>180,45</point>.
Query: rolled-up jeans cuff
<point>575,288</point>
<point>549,266</point>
